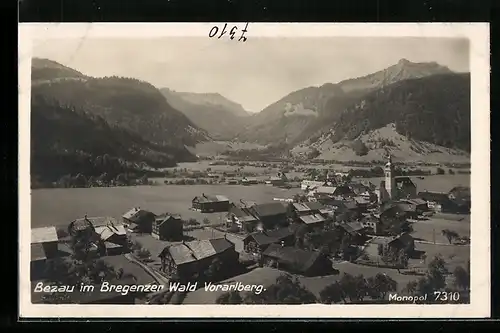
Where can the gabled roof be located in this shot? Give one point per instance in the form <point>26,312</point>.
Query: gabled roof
<point>44,234</point>
<point>406,181</point>
<point>137,215</point>
<point>352,227</point>
<point>165,218</point>
<point>210,198</point>
<point>311,219</point>
<point>37,252</point>
<point>326,189</point>
<point>269,209</point>
<point>196,250</point>
<point>314,205</point>
<point>272,236</point>
<point>300,260</point>
<point>415,201</point>
<point>433,196</point>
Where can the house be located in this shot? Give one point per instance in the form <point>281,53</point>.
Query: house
<point>138,220</point>
<point>460,199</point>
<point>167,227</point>
<point>279,180</point>
<point>403,242</point>
<point>297,261</point>
<point>271,214</point>
<point>308,185</point>
<point>44,247</point>
<point>242,218</point>
<point>307,208</point>
<point>371,224</point>
<point>210,203</point>
<point>257,242</point>
<point>418,205</point>
<point>405,187</point>
<point>188,260</point>
<point>48,239</point>
<point>103,233</point>
<point>114,238</point>
<point>356,231</point>
<point>249,181</point>
<point>435,200</point>
<point>334,191</point>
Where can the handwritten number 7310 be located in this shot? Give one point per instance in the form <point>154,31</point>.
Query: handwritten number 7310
<point>215,31</point>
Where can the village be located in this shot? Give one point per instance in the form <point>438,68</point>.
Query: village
<point>337,226</point>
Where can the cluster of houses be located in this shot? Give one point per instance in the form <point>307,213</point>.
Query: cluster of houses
<point>360,210</point>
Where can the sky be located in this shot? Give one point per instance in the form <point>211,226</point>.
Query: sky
<point>255,73</point>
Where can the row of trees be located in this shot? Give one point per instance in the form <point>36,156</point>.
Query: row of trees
<point>122,179</point>
<point>352,289</point>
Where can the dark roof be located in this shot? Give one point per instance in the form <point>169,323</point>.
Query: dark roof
<point>352,227</point>
<point>269,209</point>
<point>221,244</point>
<point>186,252</point>
<point>300,260</point>
<point>433,196</point>
<point>159,220</point>
<point>141,216</point>
<point>404,238</point>
<point>314,205</point>
<point>238,211</point>
<point>210,198</point>
<point>406,181</point>
<point>351,204</point>
<point>272,236</point>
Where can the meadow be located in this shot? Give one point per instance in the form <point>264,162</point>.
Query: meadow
<point>60,206</point>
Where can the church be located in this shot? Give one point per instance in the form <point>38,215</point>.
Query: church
<point>394,188</point>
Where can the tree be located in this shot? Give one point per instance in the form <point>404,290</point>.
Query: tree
<point>411,287</point>
<point>354,287</point>
<point>450,235</point>
<point>440,171</point>
<point>424,286</point>
<point>436,273</point>
<point>232,297</point>
<point>214,269</point>
<point>332,293</point>
<point>206,221</point>
<point>299,235</point>
<point>379,285</point>
<point>286,290</point>
<point>462,278</point>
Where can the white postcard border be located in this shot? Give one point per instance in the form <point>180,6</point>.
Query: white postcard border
<point>477,33</point>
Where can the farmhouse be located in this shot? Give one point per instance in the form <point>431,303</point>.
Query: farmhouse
<point>242,218</point>
<point>403,242</point>
<point>138,220</point>
<point>249,181</point>
<point>333,191</point>
<point>308,185</point>
<point>114,238</point>
<point>418,205</point>
<point>441,202</point>
<point>209,204</point>
<point>44,247</point>
<point>188,259</point>
<point>258,241</point>
<point>356,231</point>
<point>279,180</point>
<point>167,227</point>
<point>270,214</point>
<point>405,187</point>
<point>294,260</point>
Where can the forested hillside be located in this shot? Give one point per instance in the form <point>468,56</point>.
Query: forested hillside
<point>434,109</point>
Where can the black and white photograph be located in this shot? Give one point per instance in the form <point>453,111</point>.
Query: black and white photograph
<point>230,166</point>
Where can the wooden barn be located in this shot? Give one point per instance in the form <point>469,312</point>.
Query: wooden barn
<point>167,227</point>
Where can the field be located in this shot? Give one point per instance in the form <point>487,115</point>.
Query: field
<point>61,206</point>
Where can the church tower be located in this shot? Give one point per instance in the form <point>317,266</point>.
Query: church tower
<point>390,185</point>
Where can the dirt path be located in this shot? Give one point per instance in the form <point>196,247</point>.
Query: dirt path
<point>158,277</point>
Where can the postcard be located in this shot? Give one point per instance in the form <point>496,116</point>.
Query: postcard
<point>245,169</point>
